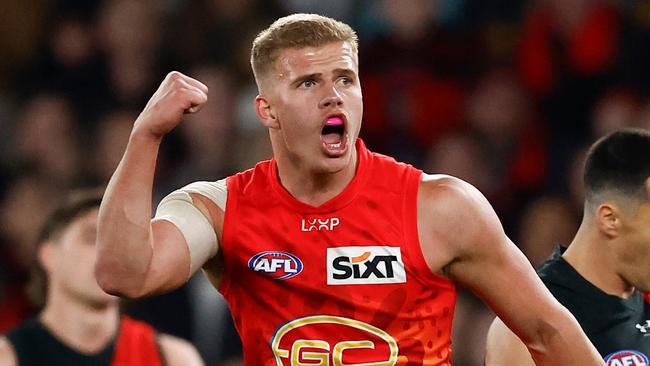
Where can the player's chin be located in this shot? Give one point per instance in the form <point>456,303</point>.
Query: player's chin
<point>334,163</point>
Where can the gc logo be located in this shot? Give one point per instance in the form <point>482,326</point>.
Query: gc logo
<point>333,340</point>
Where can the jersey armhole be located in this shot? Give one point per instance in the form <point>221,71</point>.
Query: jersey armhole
<point>226,235</point>
<point>217,192</point>
<point>412,238</point>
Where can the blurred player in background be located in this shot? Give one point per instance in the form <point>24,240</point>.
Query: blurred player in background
<point>80,324</point>
<point>603,273</point>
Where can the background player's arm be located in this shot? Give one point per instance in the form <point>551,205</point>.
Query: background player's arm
<point>462,238</point>
<point>135,256</point>
<point>7,354</point>
<point>504,348</point>
<point>178,352</point>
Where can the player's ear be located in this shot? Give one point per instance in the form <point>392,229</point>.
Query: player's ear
<point>265,112</point>
<point>608,219</point>
<point>45,255</point>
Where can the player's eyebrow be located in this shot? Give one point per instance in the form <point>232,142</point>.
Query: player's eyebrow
<point>344,71</point>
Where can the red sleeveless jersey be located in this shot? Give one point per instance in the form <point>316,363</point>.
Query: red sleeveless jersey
<point>136,345</point>
<point>344,283</point>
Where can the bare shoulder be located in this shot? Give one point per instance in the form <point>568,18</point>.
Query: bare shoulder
<point>178,351</point>
<point>457,199</point>
<point>453,218</point>
<point>7,354</point>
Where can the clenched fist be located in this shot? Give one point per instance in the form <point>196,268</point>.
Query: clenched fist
<point>177,94</point>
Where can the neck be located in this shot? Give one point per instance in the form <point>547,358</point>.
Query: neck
<point>310,187</point>
<point>83,327</point>
<point>589,255</point>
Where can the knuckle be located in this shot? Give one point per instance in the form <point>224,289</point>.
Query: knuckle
<point>173,74</point>
<point>177,84</point>
<point>183,93</point>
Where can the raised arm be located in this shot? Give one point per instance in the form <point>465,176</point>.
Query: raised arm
<point>503,348</point>
<point>462,238</point>
<point>136,257</point>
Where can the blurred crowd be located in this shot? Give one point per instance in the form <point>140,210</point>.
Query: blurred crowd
<point>505,94</point>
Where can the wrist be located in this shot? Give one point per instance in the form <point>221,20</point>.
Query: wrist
<point>145,136</point>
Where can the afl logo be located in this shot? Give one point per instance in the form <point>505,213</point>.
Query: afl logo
<point>626,358</point>
<point>277,265</point>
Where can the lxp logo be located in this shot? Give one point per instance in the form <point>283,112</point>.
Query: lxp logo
<point>327,340</point>
<point>319,224</point>
<point>626,358</point>
<point>277,265</point>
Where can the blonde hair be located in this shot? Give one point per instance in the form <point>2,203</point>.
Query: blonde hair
<point>297,31</point>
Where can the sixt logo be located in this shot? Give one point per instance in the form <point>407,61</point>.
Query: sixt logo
<point>277,265</point>
<point>319,224</point>
<point>364,265</point>
<point>626,358</point>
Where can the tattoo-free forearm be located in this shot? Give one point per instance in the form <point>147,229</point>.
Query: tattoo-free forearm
<point>124,240</point>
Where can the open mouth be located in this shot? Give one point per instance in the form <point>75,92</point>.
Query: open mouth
<point>333,135</point>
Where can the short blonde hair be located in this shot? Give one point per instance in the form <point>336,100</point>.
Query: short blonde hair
<point>297,31</point>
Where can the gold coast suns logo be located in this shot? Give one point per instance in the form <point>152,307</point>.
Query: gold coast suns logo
<point>326,340</point>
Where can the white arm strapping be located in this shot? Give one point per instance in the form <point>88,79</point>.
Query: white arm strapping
<point>179,209</point>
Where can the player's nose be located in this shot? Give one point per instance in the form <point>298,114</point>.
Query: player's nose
<point>331,98</point>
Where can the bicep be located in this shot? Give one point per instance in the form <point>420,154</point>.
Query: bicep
<point>479,256</point>
<point>170,264</point>
<point>184,238</point>
<point>499,273</point>
<point>504,348</point>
